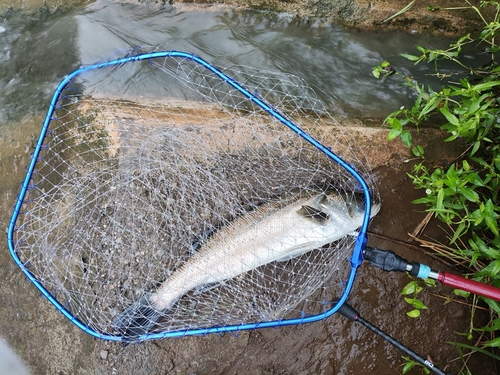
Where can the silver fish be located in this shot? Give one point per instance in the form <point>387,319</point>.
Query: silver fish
<point>267,234</point>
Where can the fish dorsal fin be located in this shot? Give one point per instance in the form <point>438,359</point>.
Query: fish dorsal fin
<point>314,214</point>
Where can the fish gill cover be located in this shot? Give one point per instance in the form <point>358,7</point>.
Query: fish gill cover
<point>128,199</point>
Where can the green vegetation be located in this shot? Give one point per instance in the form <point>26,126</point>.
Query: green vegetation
<point>465,194</point>
<point>410,363</point>
<point>411,290</point>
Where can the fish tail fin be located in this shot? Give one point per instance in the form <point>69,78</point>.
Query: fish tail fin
<point>136,320</point>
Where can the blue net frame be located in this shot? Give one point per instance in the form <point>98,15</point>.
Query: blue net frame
<point>356,255</point>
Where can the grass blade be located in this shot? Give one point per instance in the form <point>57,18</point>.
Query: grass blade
<point>401,11</point>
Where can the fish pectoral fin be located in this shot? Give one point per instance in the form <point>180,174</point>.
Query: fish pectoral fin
<point>136,320</point>
<point>285,258</point>
<point>314,214</point>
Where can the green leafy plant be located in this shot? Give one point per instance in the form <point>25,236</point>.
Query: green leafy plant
<point>410,363</point>
<point>465,194</point>
<point>411,291</point>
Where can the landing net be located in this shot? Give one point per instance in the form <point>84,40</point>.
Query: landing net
<point>122,192</point>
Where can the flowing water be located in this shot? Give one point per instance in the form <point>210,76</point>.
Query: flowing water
<point>336,63</point>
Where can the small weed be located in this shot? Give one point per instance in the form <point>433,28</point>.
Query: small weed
<point>465,194</point>
<point>411,290</point>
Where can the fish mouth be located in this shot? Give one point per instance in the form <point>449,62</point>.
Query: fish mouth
<point>376,206</point>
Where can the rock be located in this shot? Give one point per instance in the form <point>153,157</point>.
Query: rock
<point>104,354</point>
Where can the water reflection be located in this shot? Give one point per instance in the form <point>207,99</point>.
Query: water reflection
<point>35,54</point>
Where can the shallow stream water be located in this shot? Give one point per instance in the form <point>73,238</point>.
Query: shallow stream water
<point>36,53</point>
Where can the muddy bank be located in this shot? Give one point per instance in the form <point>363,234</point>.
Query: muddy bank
<point>40,6</point>
<point>370,15</point>
<point>358,14</point>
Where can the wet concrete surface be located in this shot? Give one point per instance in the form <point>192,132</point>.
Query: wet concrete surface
<point>44,340</point>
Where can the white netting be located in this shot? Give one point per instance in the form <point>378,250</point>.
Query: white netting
<point>125,192</point>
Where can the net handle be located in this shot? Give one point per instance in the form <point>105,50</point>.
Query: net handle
<point>355,260</point>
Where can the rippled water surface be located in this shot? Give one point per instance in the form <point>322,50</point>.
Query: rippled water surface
<point>36,52</point>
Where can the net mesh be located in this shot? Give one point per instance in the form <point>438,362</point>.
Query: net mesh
<point>126,191</point>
